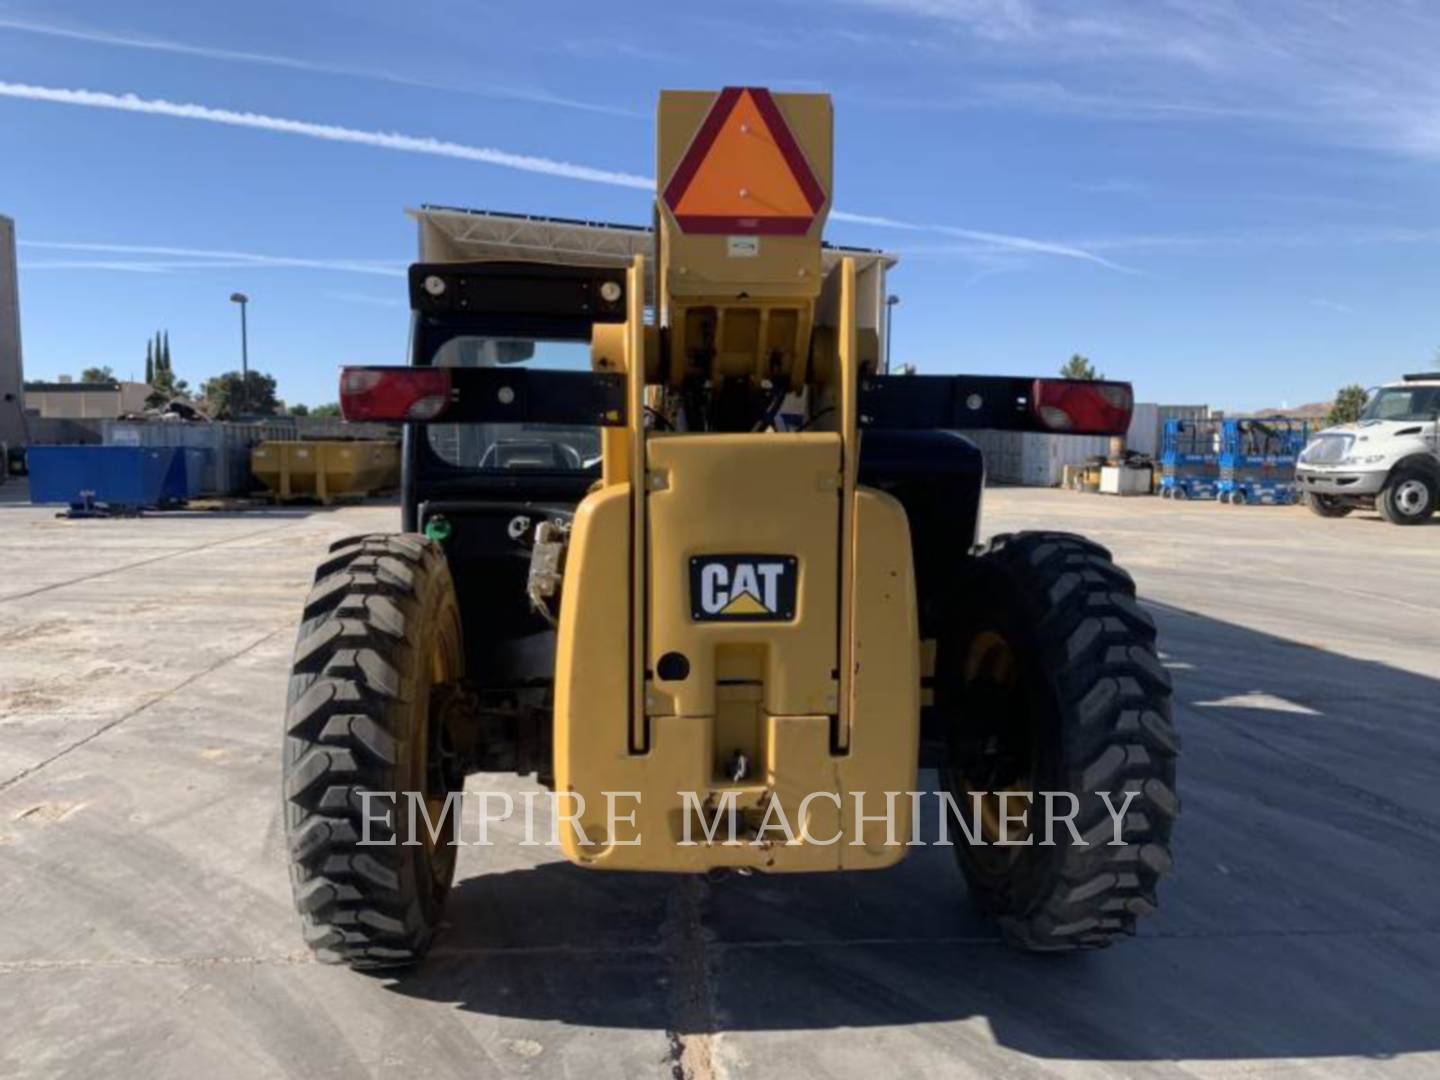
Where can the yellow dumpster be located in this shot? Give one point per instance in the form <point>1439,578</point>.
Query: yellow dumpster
<point>325,470</point>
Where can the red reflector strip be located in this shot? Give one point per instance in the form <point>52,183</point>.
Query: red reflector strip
<point>1082,406</point>
<point>394,393</point>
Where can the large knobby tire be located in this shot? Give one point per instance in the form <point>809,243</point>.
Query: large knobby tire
<point>381,631</point>
<point>1049,681</point>
<point>1409,498</point>
<point>1327,506</point>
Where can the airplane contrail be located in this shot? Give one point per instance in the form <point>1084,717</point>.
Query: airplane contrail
<point>93,36</point>
<point>385,140</point>
<point>1004,240</point>
<point>417,144</point>
<point>187,258</point>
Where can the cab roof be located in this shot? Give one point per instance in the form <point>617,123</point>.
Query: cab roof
<point>454,234</point>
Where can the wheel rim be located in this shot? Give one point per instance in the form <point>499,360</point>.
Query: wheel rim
<point>1412,497</point>
<point>1002,757</point>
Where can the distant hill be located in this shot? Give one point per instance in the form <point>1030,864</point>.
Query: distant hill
<point>1315,411</point>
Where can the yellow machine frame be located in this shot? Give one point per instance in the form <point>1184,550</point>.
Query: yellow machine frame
<point>823,706</point>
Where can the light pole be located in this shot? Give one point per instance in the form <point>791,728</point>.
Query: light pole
<point>241,299</point>
<point>890,302</point>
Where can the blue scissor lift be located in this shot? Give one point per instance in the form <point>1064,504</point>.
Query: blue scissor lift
<point>1190,459</point>
<point>1257,460</point>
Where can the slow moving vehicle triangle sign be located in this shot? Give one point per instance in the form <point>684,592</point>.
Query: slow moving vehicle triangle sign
<point>744,172</point>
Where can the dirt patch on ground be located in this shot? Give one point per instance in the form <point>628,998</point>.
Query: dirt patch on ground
<point>28,632</point>
<point>47,813</point>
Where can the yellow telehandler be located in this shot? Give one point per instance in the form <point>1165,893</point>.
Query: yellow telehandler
<point>677,543</point>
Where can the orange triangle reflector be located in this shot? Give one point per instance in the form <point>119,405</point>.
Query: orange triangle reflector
<point>744,172</point>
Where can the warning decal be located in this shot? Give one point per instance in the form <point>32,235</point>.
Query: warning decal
<point>744,172</point>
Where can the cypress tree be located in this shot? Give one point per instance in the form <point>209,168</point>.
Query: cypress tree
<point>149,363</point>
<point>167,352</point>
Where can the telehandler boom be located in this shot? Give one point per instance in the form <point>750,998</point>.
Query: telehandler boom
<point>673,536</point>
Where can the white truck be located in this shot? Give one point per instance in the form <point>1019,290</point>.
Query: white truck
<point>1388,460</point>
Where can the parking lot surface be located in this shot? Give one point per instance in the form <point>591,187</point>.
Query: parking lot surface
<point>148,929</point>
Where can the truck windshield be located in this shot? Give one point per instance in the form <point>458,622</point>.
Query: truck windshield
<point>1403,403</point>
<point>505,447</point>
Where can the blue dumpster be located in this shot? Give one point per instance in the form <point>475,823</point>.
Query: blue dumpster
<point>117,478</point>
<point>186,479</point>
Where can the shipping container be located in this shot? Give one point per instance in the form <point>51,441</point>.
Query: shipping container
<point>1039,459</point>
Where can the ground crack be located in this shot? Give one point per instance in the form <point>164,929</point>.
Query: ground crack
<point>110,725</point>
<point>692,1033</point>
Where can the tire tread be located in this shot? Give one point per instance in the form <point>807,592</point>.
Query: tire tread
<point>346,729</point>
<point>1098,646</point>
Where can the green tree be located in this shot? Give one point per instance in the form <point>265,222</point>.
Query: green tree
<point>223,395</point>
<point>161,376</point>
<point>298,409</point>
<point>1078,367</point>
<point>1349,400</point>
<point>331,409</point>
<point>97,375</point>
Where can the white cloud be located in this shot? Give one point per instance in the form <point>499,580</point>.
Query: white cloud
<point>96,36</point>
<point>1354,72</point>
<point>1243,240</point>
<point>95,99</point>
<point>118,265</point>
<point>164,259</point>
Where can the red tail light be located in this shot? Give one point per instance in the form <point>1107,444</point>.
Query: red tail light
<point>394,393</point>
<point>1082,407</point>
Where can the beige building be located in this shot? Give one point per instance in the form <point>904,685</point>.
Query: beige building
<point>86,401</point>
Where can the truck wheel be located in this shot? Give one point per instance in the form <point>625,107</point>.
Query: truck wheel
<point>1049,682</point>
<point>1409,498</point>
<point>378,647</point>
<point>1327,506</point>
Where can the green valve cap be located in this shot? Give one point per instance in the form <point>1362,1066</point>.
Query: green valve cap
<point>438,529</point>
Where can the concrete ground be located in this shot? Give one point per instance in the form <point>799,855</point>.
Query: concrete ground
<point>147,928</point>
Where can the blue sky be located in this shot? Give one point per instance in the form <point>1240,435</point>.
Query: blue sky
<point>1227,203</point>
